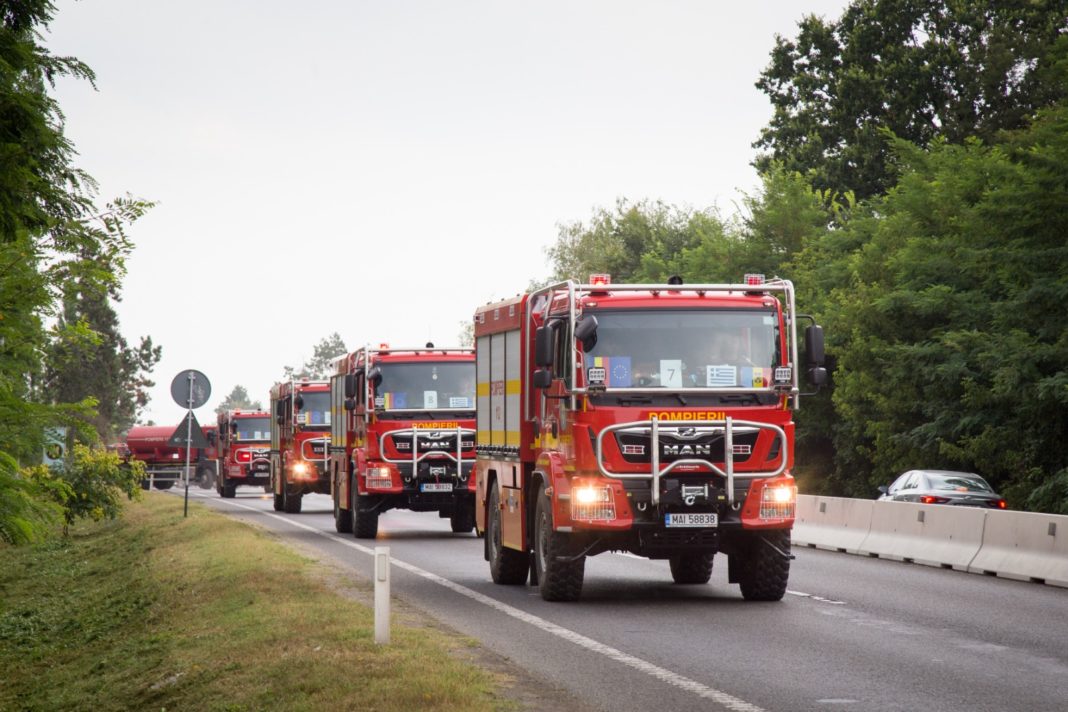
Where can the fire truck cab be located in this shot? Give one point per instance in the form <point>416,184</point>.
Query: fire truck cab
<point>403,436</point>
<point>300,429</point>
<point>652,419</point>
<point>244,446</point>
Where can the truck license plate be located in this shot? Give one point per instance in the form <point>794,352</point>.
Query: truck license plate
<point>691,519</point>
<point>436,487</point>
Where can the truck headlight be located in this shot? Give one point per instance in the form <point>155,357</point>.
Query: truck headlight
<point>379,477</point>
<point>592,502</point>
<point>777,501</point>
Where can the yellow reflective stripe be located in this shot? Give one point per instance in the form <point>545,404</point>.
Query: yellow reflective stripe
<point>483,388</point>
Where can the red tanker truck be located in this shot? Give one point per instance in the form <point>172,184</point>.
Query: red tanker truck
<point>244,447</point>
<point>651,419</point>
<point>165,463</point>
<point>299,436</point>
<point>402,436</point>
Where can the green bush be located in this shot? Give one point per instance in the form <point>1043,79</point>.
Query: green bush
<point>28,508</point>
<point>91,484</point>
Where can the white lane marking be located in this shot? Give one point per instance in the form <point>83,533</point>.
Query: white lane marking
<point>821,599</point>
<point>674,679</point>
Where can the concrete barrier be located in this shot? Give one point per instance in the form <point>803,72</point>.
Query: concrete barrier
<point>928,534</point>
<point>834,523</point>
<point>1026,546</point>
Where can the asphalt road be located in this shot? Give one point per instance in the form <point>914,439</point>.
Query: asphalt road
<point>853,633</point>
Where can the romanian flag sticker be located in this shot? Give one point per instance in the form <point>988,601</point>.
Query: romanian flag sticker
<point>616,370</point>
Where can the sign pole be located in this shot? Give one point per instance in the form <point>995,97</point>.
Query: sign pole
<point>188,441</point>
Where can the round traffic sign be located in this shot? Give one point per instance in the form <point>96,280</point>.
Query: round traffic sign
<point>190,388</point>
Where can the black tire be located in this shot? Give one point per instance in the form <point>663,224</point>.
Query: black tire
<point>229,489</point>
<point>164,484</point>
<point>342,517</point>
<point>692,567</point>
<point>291,503</point>
<point>764,571</point>
<point>365,521</point>
<point>557,580</point>
<point>205,479</point>
<point>507,566</point>
<point>462,518</point>
<point>278,503</point>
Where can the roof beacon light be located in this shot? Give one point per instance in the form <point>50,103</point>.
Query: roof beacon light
<point>754,279</point>
<point>601,278</point>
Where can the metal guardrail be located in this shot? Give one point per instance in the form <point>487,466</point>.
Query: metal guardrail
<point>652,427</point>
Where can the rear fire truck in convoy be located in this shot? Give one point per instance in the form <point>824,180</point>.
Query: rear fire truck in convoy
<point>650,419</point>
<point>299,435</point>
<point>244,448</point>
<point>403,436</point>
<point>165,463</point>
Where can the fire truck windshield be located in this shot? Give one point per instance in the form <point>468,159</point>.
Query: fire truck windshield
<point>440,385</point>
<point>314,414</point>
<point>691,348</point>
<point>253,428</point>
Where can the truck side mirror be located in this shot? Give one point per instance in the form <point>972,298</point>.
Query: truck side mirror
<point>586,331</point>
<point>814,354</point>
<point>374,376</point>
<point>233,427</point>
<point>543,378</point>
<point>817,375</point>
<point>280,409</point>
<point>350,385</point>
<point>350,404</point>
<point>543,346</point>
<point>299,402</point>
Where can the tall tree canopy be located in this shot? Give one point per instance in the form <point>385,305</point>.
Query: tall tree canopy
<point>944,303</point>
<point>323,355</point>
<point>238,400</point>
<point>920,69</point>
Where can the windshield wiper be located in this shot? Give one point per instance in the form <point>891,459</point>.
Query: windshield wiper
<point>634,400</point>
<point>681,399</point>
<point>740,398</point>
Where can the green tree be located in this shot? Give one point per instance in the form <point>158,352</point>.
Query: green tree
<point>922,69</point>
<point>91,484</point>
<point>27,511</point>
<point>940,301</point>
<point>323,355</point>
<point>238,400</point>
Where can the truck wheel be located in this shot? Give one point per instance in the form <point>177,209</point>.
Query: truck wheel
<point>692,567</point>
<point>557,580</point>
<point>764,571</point>
<point>164,484</point>
<point>342,517</point>
<point>204,479</point>
<point>462,518</point>
<point>277,502</point>
<point>364,522</point>
<point>507,566</point>
<point>229,489</point>
<point>291,503</point>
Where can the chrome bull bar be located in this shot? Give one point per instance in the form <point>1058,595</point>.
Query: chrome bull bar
<point>309,444</point>
<point>727,426</point>
<point>416,458</point>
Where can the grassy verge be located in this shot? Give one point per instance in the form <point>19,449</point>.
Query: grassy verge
<point>156,612</point>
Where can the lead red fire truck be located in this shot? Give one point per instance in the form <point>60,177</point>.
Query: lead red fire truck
<point>403,436</point>
<point>650,419</point>
<point>299,437</point>
<point>244,447</point>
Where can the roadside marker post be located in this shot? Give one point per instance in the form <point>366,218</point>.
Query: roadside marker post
<point>382,595</point>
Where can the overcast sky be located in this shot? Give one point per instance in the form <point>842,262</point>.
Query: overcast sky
<point>379,169</point>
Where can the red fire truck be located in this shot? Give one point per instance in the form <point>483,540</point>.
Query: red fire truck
<point>403,436</point>
<point>650,419</point>
<point>244,447</point>
<point>299,438</point>
<point>165,463</point>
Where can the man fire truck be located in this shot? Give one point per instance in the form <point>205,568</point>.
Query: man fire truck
<point>403,436</point>
<point>244,447</point>
<point>650,419</point>
<point>165,462</point>
<point>299,437</point>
